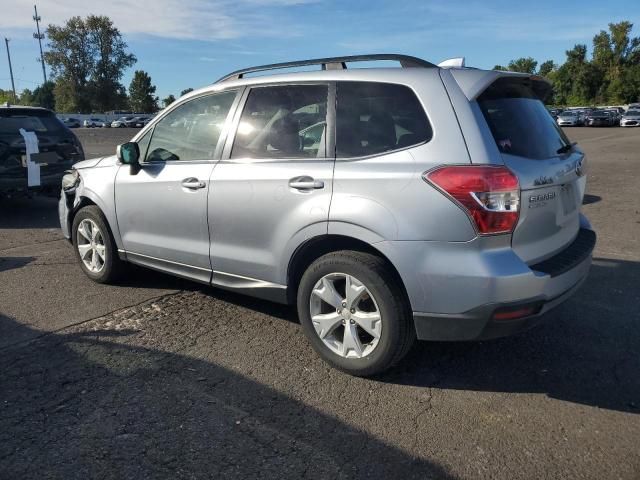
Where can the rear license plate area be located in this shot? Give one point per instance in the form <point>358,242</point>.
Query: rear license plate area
<point>567,194</point>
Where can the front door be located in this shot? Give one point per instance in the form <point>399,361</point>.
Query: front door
<point>162,207</point>
<point>273,187</point>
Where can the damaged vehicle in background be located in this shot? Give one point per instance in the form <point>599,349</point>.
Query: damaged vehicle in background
<point>58,146</point>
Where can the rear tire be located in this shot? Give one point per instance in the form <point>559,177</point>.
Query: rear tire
<point>94,246</point>
<point>362,333</point>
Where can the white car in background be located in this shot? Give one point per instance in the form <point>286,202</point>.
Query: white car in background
<point>92,123</point>
<point>121,122</point>
<point>631,118</point>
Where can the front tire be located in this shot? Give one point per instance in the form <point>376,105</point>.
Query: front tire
<point>355,313</point>
<point>94,246</point>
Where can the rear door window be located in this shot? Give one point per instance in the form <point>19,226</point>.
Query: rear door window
<point>519,121</point>
<point>283,122</point>
<point>374,118</point>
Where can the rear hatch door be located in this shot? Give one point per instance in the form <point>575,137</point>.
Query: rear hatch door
<point>549,168</point>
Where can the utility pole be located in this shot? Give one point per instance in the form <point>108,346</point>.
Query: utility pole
<point>39,36</point>
<point>13,86</point>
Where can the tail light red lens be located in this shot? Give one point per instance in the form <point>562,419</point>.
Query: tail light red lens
<point>490,195</point>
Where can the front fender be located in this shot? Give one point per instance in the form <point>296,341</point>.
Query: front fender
<point>96,186</point>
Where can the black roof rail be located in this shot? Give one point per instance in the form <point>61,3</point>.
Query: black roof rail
<point>333,63</point>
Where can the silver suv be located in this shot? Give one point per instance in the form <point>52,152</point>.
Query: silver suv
<point>388,204</point>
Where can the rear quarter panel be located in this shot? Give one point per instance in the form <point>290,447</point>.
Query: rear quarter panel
<point>385,198</point>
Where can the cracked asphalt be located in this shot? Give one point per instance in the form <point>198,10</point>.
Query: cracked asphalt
<point>163,378</point>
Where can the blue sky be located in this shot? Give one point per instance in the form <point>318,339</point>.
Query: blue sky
<point>190,43</point>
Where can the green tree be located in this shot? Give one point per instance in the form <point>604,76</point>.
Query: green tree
<point>87,58</point>
<point>26,98</point>
<point>141,93</point>
<point>43,96</point>
<point>500,68</point>
<point>168,100</point>
<point>524,65</point>
<point>185,91</point>
<point>546,68</point>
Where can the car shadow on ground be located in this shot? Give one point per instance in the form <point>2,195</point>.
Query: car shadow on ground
<point>38,211</point>
<point>586,351</point>
<point>9,263</point>
<point>91,405</point>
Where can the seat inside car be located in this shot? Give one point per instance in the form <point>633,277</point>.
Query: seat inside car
<point>284,136</point>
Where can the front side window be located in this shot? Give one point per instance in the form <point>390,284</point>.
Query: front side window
<point>374,118</point>
<point>283,122</point>
<point>192,130</point>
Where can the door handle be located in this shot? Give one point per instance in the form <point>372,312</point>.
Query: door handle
<point>193,183</point>
<point>306,183</point>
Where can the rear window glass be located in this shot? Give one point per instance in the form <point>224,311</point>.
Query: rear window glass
<point>519,121</point>
<point>12,121</point>
<point>374,118</point>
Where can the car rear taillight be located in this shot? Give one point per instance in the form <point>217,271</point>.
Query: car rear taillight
<point>490,195</point>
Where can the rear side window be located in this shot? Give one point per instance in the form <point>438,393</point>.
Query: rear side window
<point>519,121</point>
<point>283,122</point>
<point>374,118</point>
<point>12,120</point>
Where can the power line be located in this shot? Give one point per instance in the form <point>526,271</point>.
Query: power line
<point>39,36</point>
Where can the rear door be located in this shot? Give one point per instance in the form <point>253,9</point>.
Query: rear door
<point>272,189</point>
<point>549,168</point>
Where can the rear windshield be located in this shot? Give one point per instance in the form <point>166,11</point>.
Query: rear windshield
<point>33,121</point>
<point>519,121</point>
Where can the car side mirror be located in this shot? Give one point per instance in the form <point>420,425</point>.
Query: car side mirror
<point>129,153</point>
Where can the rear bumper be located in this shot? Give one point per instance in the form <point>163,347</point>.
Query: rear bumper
<point>456,287</point>
<point>478,324</point>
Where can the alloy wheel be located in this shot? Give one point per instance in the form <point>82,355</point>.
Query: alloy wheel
<point>91,246</point>
<point>345,315</point>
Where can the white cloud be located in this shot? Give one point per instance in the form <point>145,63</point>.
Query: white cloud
<point>180,19</point>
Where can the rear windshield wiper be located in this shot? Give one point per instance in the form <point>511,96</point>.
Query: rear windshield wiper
<point>566,148</point>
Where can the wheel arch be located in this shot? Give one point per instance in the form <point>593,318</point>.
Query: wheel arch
<point>85,201</point>
<point>315,247</point>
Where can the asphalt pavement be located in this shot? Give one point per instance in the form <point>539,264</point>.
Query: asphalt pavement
<point>163,378</point>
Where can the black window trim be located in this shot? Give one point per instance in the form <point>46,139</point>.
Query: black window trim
<point>223,135</point>
<point>330,147</point>
<point>388,152</point>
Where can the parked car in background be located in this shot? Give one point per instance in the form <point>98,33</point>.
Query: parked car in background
<point>616,115</point>
<point>569,118</point>
<point>600,118</point>
<point>286,187</point>
<point>631,118</point>
<point>72,123</point>
<point>136,122</point>
<point>121,122</point>
<point>105,124</point>
<point>92,123</point>
<point>59,148</point>
<point>554,112</point>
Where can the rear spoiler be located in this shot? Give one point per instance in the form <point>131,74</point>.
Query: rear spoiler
<point>473,82</point>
